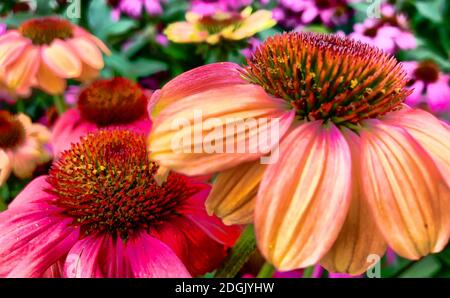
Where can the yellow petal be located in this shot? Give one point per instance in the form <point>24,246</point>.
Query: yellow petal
<point>61,59</point>
<point>359,237</point>
<point>185,32</point>
<point>233,194</point>
<point>21,73</point>
<point>304,198</point>
<point>405,190</point>
<point>257,22</point>
<point>5,167</point>
<point>49,81</point>
<point>87,51</point>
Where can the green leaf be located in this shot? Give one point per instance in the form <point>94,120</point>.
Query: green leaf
<point>120,27</point>
<point>145,67</point>
<point>427,267</point>
<point>431,9</point>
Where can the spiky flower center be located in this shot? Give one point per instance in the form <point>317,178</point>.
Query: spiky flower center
<point>427,71</point>
<point>46,30</point>
<point>106,183</point>
<point>112,101</point>
<point>328,77</point>
<point>12,132</point>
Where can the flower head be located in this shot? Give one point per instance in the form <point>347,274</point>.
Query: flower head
<point>220,25</point>
<point>356,168</point>
<point>116,102</point>
<point>44,52</point>
<point>100,213</point>
<point>22,145</point>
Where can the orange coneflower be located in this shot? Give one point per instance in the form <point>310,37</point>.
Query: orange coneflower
<point>44,52</point>
<point>22,145</point>
<point>357,169</point>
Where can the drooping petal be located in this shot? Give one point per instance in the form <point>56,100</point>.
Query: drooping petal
<point>405,190</point>
<point>49,81</point>
<point>61,59</point>
<point>19,75</point>
<point>359,237</point>
<point>11,48</point>
<point>185,32</point>
<point>34,192</point>
<point>258,21</point>
<point>83,258</point>
<point>33,239</point>
<point>5,167</point>
<point>429,132</point>
<point>233,195</point>
<point>197,250</point>
<point>304,198</point>
<point>197,80</point>
<point>148,257</point>
<point>217,129</point>
<point>194,209</point>
<point>88,52</point>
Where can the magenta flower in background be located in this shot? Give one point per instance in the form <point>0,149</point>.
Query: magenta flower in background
<point>294,13</point>
<point>390,32</point>
<point>430,87</point>
<point>134,8</point>
<point>210,7</point>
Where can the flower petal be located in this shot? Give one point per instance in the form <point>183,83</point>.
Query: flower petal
<point>60,58</point>
<point>233,195</point>
<point>5,167</point>
<point>405,190</point>
<point>359,236</point>
<point>218,129</point>
<point>11,49</point>
<point>304,198</point>
<point>83,258</point>
<point>429,132</point>
<point>19,75</point>
<point>149,257</point>
<point>197,80</point>
<point>49,81</point>
<point>185,32</point>
<point>87,51</point>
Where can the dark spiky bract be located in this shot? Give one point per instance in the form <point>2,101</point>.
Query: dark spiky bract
<point>328,77</point>
<point>12,132</point>
<point>112,101</point>
<point>106,183</point>
<point>45,30</point>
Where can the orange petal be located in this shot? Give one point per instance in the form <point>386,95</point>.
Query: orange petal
<point>10,49</point>
<point>198,80</point>
<point>49,81</point>
<point>5,167</point>
<point>233,194</point>
<point>80,32</point>
<point>405,190</point>
<point>87,51</point>
<point>191,136</point>
<point>304,198</point>
<point>88,74</point>
<point>359,236</point>
<point>20,74</point>
<point>60,58</point>
<point>429,132</point>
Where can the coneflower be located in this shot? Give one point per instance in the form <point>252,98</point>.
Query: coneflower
<point>357,169</point>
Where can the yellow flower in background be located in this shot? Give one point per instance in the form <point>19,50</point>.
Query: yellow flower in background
<point>22,145</point>
<point>221,25</point>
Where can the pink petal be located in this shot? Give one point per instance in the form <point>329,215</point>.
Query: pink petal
<point>34,192</point>
<point>148,257</point>
<point>82,259</point>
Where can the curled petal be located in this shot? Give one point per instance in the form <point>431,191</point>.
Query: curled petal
<point>304,197</point>
<point>217,129</point>
<point>234,191</point>
<point>405,190</point>
<point>197,80</point>
<point>359,237</point>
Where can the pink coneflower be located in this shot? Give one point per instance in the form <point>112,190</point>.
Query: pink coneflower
<point>45,52</point>
<point>356,169</point>
<point>430,86</point>
<point>116,102</point>
<point>390,32</point>
<point>294,13</point>
<point>22,145</point>
<point>100,213</point>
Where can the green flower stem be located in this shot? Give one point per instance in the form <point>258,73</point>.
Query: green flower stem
<point>308,272</point>
<point>60,104</point>
<point>245,246</point>
<point>266,271</point>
